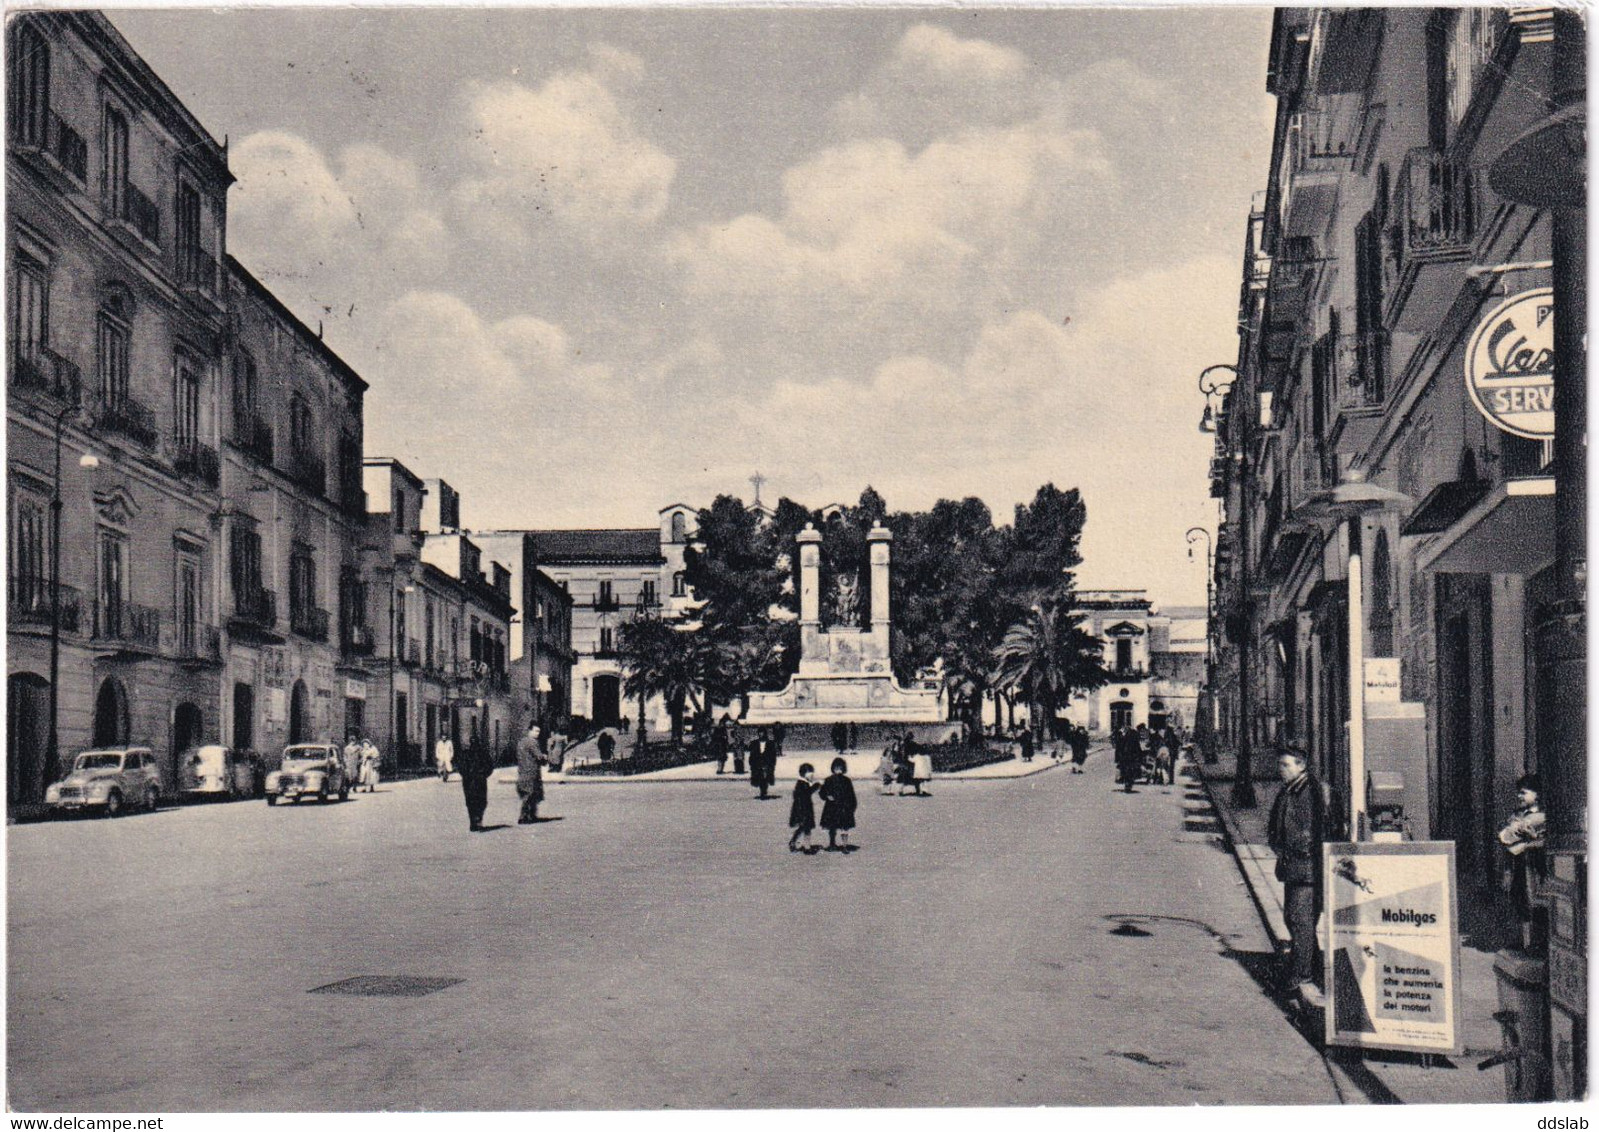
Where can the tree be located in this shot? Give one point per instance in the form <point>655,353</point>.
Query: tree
<point>1048,657</point>
<point>667,660</point>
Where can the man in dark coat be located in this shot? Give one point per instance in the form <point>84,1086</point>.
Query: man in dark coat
<point>1129,758</point>
<point>719,745</point>
<point>1300,822</point>
<point>475,765</point>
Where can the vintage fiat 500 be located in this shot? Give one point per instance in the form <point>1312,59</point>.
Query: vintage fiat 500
<point>108,780</point>
<point>309,770</point>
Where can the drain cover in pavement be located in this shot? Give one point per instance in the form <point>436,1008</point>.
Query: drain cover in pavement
<point>393,986</point>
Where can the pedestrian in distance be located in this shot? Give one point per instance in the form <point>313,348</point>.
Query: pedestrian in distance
<point>779,737</point>
<point>370,760</point>
<point>909,751</point>
<point>1301,821</point>
<point>606,744</point>
<point>735,746</point>
<point>853,738</point>
<point>351,757</point>
<point>888,766</point>
<point>1129,759</point>
<point>763,762</point>
<point>444,757</point>
<point>838,807</point>
<point>475,768</point>
<point>840,736</point>
<point>1025,740</point>
<point>719,745</point>
<point>802,814</point>
<point>529,775</point>
<point>1079,741</point>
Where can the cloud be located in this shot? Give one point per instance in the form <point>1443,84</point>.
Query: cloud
<point>567,151</point>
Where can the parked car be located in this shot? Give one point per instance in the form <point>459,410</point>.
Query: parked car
<point>309,770</point>
<point>214,771</point>
<point>108,780</point>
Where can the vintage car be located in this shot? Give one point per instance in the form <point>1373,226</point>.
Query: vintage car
<point>215,771</point>
<point>309,770</point>
<point>108,780</point>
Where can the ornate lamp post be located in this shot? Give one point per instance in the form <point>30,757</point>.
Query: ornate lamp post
<point>52,740</point>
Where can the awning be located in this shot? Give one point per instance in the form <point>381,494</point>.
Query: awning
<point>1511,530</point>
<point>1444,505</point>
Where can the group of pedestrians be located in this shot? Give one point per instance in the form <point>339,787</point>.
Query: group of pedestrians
<point>1143,755</point>
<point>361,763</point>
<point>904,763</point>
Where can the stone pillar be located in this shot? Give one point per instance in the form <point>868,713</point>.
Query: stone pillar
<point>810,594</point>
<point>877,542</point>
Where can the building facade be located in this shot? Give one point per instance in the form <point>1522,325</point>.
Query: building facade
<point>1151,656</point>
<point>540,641</point>
<point>116,333</point>
<point>1385,455</point>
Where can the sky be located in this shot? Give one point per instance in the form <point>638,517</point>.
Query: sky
<point>594,262</point>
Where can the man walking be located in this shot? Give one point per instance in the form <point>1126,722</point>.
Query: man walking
<point>1299,824</point>
<point>476,766</point>
<point>444,757</point>
<point>529,775</point>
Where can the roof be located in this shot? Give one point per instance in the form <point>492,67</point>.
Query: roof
<point>573,548</point>
<point>312,341</point>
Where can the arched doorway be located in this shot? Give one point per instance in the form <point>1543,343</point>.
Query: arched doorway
<point>27,728</point>
<point>607,701</point>
<point>1157,715</point>
<point>188,730</point>
<point>1121,714</point>
<point>299,714</point>
<point>111,714</point>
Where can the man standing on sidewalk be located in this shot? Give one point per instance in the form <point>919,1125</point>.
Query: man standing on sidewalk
<point>1299,824</point>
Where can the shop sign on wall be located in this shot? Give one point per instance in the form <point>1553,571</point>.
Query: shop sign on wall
<point>1392,946</point>
<point>1510,365</point>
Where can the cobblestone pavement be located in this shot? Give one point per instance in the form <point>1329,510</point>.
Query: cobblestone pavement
<point>1043,940</point>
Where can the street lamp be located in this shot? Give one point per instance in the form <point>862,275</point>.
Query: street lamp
<point>394,668</point>
<point>1191,535</point>
<point>52,740</point>
<point>1215,388</point>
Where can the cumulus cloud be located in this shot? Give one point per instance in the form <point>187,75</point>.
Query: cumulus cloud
<point>567,150</point>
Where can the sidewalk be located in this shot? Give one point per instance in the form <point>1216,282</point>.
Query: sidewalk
<point>1381,1076</point>
<point>862,768</point>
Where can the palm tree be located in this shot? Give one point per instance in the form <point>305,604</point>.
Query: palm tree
<point>1048,658</point>
<point>667,660</point>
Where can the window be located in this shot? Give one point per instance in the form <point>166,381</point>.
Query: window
<point>30,85</point>
<point>1382,598</point>
<point>1124,655</point>
<point>113,583</point>
<point>678,589</point>
<point>244,563</point>
<point>300,429</point>
<point>187,232</point>
<point>678,527</point>
<point>112,350</point>
<point>186,401</point>
<point>246,384</point>
<point>114,167</point>
<point>350,488</point>
<point>428,633</point>
<point>29,549</point>
<point>605,640</point>
<point>397,506</point>
<point>605,592</point>
<point>399,622</point>
<point>646,596</point>
<point>188,607</point>
<point>302,581</point>
<point>30,310</point>
<point>1371,339</point>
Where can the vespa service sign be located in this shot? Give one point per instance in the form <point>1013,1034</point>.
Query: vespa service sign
<point>1392,946</point>
<point>1510,365</point>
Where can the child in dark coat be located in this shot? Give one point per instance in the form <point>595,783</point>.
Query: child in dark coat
<point>838,806</point>
<point>802,814</point>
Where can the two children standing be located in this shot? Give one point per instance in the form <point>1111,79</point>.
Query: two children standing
<point>838,809</point>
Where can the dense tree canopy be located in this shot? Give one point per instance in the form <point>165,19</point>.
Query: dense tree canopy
<point>960,584</point>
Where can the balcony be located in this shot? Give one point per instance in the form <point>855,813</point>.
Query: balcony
<point>1436,205</point>
<point>69,149</point>
<point>28,602</point>
<point>199,644</point>
<point>604,652</point>
<point>358,640</point>
<point>141,212</point>
<point>198,462</point>
<point>197,269</point>
<point>257,608</point>
<point>129,627</point>
<point>309,622</point>
<point>605,603</point>
<point>310,471</point>
<point>125,416</point>
<point>48,372</point>
<point>254,435</point>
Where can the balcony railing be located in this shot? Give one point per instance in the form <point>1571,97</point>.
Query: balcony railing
<point>198,462</point>
<point>68,148</point>
<point>127,625</point>
<point>125,416</point>
<point>310,471</point>
<point>1436,206</point>
<point>605,603</point>
<point>197,642</point>
<point>257,607</point>
<point>254,435</point>
<point>28,603</point>
<point>310,622</point>
<point>197,268</point>
<point>143,214</point>
<point>604,652</point>
<point>48,372</point>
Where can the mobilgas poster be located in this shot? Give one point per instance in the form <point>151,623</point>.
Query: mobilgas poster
<point>1392,946</point>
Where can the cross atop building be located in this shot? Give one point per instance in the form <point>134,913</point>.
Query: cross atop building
<point>756,481</point>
